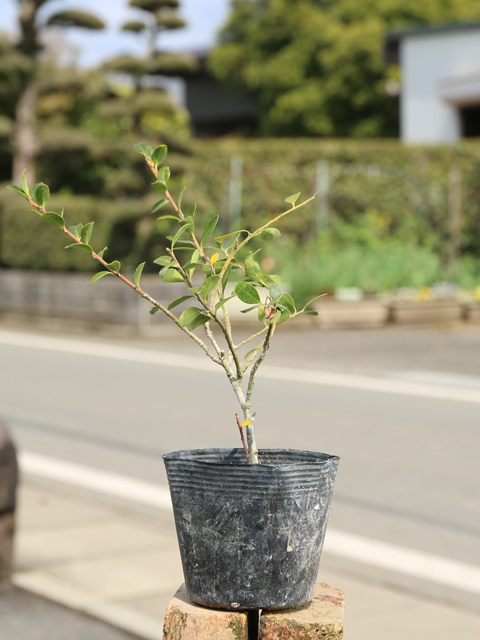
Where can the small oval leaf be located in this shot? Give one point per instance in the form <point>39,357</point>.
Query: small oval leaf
<point>247,293</point>
<point>292,199</point>
<point>269,234</point>
<point>54,218</point>
<point>159,154</point>
<point>79,245</point>
<point>99,275</point>
<point>158,205</point>
<point>18,190</point>
<point>172,275</point>
<point>138,274</point>
<point>114,266</point>
<point>210,228</point>
<point>177,301</point>
<point>86,233</point>
<point>40,194</point>
<point>188,315</point>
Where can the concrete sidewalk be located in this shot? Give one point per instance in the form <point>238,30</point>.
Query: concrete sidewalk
<point>119,563</point>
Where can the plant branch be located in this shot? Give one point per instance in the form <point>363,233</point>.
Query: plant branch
<point>258,361</point>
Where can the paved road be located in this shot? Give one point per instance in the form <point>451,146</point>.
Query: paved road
<point>401,408</point>
<point>25,616</point>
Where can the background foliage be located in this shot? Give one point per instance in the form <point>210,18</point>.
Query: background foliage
<point>317,66</point>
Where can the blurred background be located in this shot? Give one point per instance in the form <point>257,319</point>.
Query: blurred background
<point>375,104</point>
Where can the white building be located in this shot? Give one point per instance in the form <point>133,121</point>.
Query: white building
<point>440,88</point>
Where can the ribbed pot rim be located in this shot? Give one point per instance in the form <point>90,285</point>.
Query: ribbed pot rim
<point>283,457</point>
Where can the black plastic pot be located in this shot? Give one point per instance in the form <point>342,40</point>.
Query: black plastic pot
<point>250,536</point>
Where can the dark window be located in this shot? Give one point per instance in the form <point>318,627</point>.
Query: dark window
<point>470,119</point>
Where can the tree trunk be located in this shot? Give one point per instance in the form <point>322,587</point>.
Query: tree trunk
<point>25,143</point>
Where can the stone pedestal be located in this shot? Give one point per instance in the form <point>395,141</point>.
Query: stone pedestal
<point>322,618</point>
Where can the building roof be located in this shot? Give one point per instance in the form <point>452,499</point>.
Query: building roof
<point>393,38</point>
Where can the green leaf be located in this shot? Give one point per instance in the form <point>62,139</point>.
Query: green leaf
<point>17,190</point>
<point>179,233</point>
<point>172,275</point>
<point>189,223</point>
<point>100,253</point>
<point>158,205</point>
<point>249,309</point>
<point>190,265</point>
<point>53,218</point>
<point>177,301</point>
<point>153,310</point>
<point>86,233</point>
<point>23,182</point>
<point>272,279</point>
<point>209,229</point>
<point>138,274</point>
<point>269,234</point>
<point>79,245</point>
<point>145,149</point>
<point>167,217</point>
<point>284,316</point>
<point>76,230</point>
<point>163,175</point>
<point>226,276</point>
<point>159,154</point>
<point>40,194</point>
<point>321,295</point>
<point>310,312</point>
<point>287,302</point>
<point>99,275</point>
<point>164,261</point>
<point>247,293</point>
<point>159,186</point>
<point>199,320</point>
<point>275,293</point>
<point>114,266</point>
<point>252,268</point>
<point>180,198</point>
<point>230,235</point>
<point>188,315</point>
<point>222,302</point>
<point>192,211</point>
<point>292,199</point>
<point>209,285</point>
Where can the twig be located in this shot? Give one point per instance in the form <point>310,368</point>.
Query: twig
<point>243,438</point>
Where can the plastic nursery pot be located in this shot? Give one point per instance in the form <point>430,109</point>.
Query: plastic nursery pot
<point>250,536</point>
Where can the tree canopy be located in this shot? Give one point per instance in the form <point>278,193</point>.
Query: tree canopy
<point>317,66</point>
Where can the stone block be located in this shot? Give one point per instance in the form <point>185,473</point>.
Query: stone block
<point>321,619</point>
<point>185,620</point>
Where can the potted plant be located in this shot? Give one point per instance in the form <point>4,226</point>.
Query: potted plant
<point>250,523</point>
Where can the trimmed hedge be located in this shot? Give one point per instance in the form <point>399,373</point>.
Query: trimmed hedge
<point>404,189</point>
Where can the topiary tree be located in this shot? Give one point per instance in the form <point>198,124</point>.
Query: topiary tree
<point>160,16</point>
<point>33,28</point>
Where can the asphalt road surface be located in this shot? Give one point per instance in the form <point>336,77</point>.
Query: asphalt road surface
<point>401,408</point>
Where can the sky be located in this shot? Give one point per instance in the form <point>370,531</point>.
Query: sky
<point>204,18</point>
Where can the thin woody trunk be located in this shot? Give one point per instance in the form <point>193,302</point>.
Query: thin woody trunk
<point>25,143</point>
